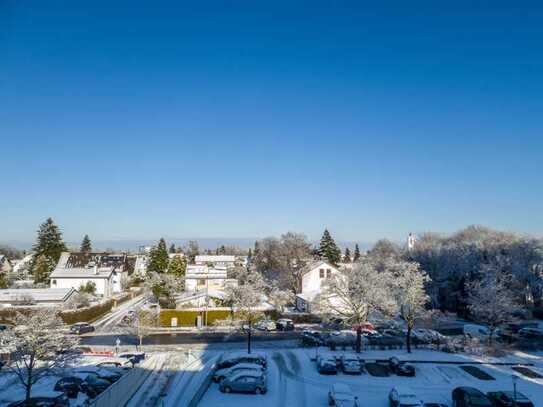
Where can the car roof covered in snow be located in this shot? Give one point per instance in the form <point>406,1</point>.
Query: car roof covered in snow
<point>404,390</point>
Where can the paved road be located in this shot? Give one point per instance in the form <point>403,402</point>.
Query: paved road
<point>184,338</point>
<point>110,321</point>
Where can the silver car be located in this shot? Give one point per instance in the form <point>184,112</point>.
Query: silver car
<point>351,364</point>
<point>220,374</point>
<point>245,382</point>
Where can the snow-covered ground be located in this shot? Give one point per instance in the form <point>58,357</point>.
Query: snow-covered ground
<point>113,318</point>
<point>294,381</point>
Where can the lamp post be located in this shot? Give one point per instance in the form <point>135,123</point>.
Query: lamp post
<point>515,379</point>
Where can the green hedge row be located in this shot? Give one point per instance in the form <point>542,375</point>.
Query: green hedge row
<point>86,314</point>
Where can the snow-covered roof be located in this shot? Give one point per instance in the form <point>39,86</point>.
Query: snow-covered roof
<point>36,294</point>
<point>215,259</point>
<point>206,272</point>
<point>316,264</point>
<point>82,273</point>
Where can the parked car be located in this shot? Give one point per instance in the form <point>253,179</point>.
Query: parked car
<point>242,358</point>
<point>530,333</point>
<point>343,338</point>
<point>434,405</point>
<point>92,386</point>
<point>244,382</point>
<point>120,363</point>
<point>367,326</point>
<point>505,399</point>
<point>312,338</point>
<point>110,374</point>
<point>222,373</point>
<point>326,365</point>
<point>137,357</point>
<point>69,385</point>
<point>401,396</point>
<point>340,395</point>
<point>351,364</point>
<point>59,401</point>
<point>401,368</point>
<point>470,397</point>
<point>284,324</point>
<point>265,325</point>
<point>81,328</point>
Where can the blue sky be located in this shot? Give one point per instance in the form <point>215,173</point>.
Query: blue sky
<point>131,119</point>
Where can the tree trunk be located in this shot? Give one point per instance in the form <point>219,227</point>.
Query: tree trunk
<point>408,338</point>
<point>358,338</point>
<point>249,338</point>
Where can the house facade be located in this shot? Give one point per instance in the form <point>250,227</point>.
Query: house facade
<point>199,277</point>
<point>107,271</point>
<point>313,280</point>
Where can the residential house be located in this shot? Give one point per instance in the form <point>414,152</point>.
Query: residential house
<point>35,296</point>
<point>198,277</point>
<point>107,271</point>
<point>216,261</point>
<point>313,278</point>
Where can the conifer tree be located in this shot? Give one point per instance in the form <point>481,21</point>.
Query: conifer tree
<point>49,246</point>
<point>356,253</point>
<point>86,246</point>
<point>158,258</point>
<point>172,248</point>
<point>328,249</point>
<point>177,266</point>
<point>347,255</point>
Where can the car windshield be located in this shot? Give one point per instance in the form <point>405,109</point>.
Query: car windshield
<point>344,396</point>
<point>480,401</point>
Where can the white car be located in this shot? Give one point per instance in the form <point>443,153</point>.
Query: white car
<point>266,325</point>
<point>403,396</point>
<point>240,367</point>
<point>340,395</point>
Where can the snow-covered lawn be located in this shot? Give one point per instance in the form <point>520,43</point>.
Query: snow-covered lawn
<point>294,381</point>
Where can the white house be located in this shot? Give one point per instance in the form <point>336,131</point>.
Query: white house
<point>217,261</point>
<point>314,276</point>
<point>35,296</point>
<point>199,278</point>
<point>106,271</point>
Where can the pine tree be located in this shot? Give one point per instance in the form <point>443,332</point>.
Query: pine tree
<point>172,248</point>
<point>347,255</point>
<point>177,266</point>
<point>222,250</point>
<point>356,253</point>
<point>328,249</point>
<point>86,246</point>
<point>158,258</point>
<point>4,283</point>
<point>49,245</point>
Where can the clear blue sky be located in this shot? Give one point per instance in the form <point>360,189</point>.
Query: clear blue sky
<point>129,119</point>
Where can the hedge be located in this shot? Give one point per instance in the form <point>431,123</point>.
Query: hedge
<point>189,317</point>
<point>86,314</point>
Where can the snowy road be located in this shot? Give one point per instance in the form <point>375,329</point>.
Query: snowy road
<point>112,319</point>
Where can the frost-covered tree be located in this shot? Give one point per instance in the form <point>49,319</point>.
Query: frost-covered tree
<point>49,245</point>
<point>245,300</point>
<point>410,293</point>
<point>491,300</point>
<point>38,347</point>
<point>142,324</point>
<point>280,298</point>
<point>356,255</point>
<point>158,258</point>
<point>88,288</point>
<point>347,256</point>
<point>354,294</point>
<point>328,249</point>
<point>86,246</point>
<point>177,266</point>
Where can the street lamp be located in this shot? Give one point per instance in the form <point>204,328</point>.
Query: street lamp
<point>515,379</point>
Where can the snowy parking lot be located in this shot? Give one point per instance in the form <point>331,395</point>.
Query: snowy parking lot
<point>293,380</point>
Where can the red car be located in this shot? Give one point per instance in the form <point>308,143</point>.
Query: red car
<point>365,326</point>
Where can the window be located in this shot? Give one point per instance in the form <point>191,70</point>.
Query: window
<point>201,281</point>
<point>328,273</point>
<point>54,282</point>
<point>321,273</point>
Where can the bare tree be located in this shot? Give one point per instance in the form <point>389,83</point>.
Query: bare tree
<point>245,301</point>
<point>280,298</point>
<point>410,292</point>
<point>39,346</point>
<point>353,294</point>
<point>491,300</point>
<point>142,324</point>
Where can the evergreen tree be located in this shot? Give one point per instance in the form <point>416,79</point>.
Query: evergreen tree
<point>177,266</point>
<point>49,246</point>
<point>328,249</point>
<point>172,248</point>
<point>4,283</point>
<point>249,254</point>
<point>222,250</point>
<point>347,256</point>
<point>158,258</point>
<point>356,253</point>
<point>86,246</point>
